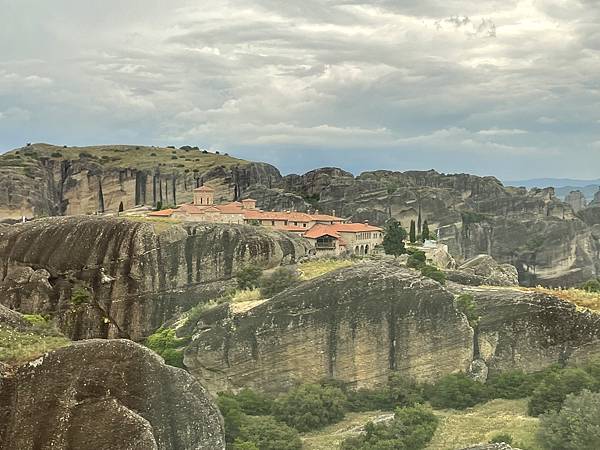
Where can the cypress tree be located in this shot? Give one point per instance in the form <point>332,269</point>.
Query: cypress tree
<point>412,235</point>
<point>425,234</point>
<point>393,241</point>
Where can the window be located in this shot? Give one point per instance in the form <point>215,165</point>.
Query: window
<point>304,225</point>
<point>295,224</point>
<point>272,223</point>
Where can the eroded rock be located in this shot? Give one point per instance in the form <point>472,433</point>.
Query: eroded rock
<point>102,395</point>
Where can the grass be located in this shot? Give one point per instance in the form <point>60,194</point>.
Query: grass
<point>125,156</point>
<point>579,297</point>
<point>319,267</point>
<point>159,224</point>
<point>457,429</point>
<point>479,424</point>
<point>247,295</point>
<point>331,437</point>
<point>20,346</point>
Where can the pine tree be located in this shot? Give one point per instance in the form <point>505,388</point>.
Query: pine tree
<point>425,234</point>
<point>121,208</point>
<point>413,232</point>
<point>393,241</point>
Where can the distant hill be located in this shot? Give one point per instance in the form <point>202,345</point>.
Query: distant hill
<point>562,185</point>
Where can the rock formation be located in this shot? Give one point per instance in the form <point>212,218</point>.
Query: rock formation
<point>360,323</point>
<point>532,230</point>
<point>102,395</point>
<point>356,325</point>
<point>106,277</point>
<point>43,180</point>
<point>484,270</point>
<point>576,200</point>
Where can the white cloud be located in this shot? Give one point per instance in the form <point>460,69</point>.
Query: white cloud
<point>260,76</point>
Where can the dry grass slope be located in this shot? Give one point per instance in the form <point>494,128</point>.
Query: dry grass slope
<point>319,267</point>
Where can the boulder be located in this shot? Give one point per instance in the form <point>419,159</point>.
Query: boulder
<point>108,277</point>
<point>484,270</point>
<point>106,394</point>
<point>357,325</point>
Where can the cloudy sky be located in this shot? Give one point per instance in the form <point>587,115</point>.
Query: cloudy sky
<point>502,87</point>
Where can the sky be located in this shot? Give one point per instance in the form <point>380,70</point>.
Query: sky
<point>499,87</point>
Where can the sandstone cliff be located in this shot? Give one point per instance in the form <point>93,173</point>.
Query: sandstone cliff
<point>356,325</point>
<point>359,324</point>
<point>103,395</point>
<point>532,230</point>
<point>44,180</point>
<point>106,277</point>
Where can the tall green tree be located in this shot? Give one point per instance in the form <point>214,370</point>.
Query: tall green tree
<point>425,235</point>
<point>393,241</point>
<point>412,234</point>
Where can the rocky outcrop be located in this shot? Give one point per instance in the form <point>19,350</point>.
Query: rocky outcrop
<point>474,215</point>
<point>101,395</point>
<point>529,330</point>
<point>484,270</point>
<point>500,446</point>
<point>356,325</point>
<point>46,180</point>
<point>361,323</point>
<point>105,277</point>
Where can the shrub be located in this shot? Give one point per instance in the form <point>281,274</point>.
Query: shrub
<point>35,319</point>
<point>248,277</point>
<point>80,296</point>
<point>412,429</point>
<point>465,303</point>
<point>416,260</point>
<point>456,391</point>
<point>501,438</point>
<point>393,240</point>
<point>399,391</point>
<point>592,285</point>
<point>252,402</point>
<point>310,406</point>
<point>281,279</point>
<point>575,427</point>
<point>511,385</point>
<point>556,385</point>
<point>232,415</point>
<point>56,155</point>
<point>434,273</point>
<point>266,433</point>
<point>167,344</point>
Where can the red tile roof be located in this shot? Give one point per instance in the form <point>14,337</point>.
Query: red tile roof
<point>204,189</point>
<point>320,230</point>
<point>162,213</point>
<point>334,230</point>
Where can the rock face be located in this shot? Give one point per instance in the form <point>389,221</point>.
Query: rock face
<point>46,180</point>
<point>500,446</point>
<point>101,395</point>
<point>528,330</point>
<point>532,230</point>
<point>484,270</point>
<point>361,323</point>
<point>104,277</point>
<point>356,325</point>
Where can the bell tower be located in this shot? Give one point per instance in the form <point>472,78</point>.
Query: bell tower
<point>204,196</point>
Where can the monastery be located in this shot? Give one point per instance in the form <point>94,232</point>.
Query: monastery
<point>329,234</point>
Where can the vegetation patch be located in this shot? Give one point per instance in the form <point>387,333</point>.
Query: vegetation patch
<point>319,267</point>
<point>579,297</point>
<point>18,346</point>
<point>168,345</point>
<point>483,423</point>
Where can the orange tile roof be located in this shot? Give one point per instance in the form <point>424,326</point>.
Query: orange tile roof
<point>334,230</point>
<point>326,218</point>
<point>293,228</point>
<point>320,230</point>
<point>204,189</point>
<point>162,213</point>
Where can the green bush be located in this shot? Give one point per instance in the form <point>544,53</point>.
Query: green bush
<point>465,303</point>
<point>232,414</point>
<point>592,285</point>
<point>400,391</point>
<point>575,427</point>
<point>248,277</point>
<point>281,279</point>
<point>456,391</point>
<point>393,240</point>
<point>80,296</point>
<point>434,273</point>
<point>310,406</point>
<point>168,345</point>
<point>252,402</point>
<point>512,385</point>
<point>412,429</point>
<point>35,319</point>
<point>266,433</point>
<point>550,394</point>
<point>416,260</point>
<point>501,438</point>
